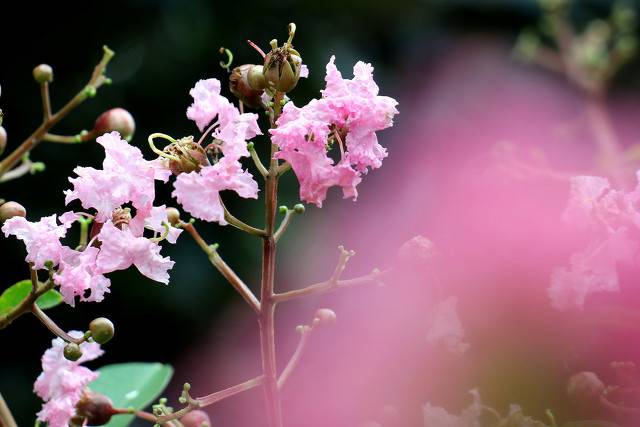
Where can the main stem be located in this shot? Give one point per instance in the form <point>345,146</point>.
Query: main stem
<point>267,302</point>
<point>267,305</point>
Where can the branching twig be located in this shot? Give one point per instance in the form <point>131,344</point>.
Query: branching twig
<point>305,331</point>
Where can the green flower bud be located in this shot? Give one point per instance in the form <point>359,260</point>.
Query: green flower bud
<point>282,68</point>
<point>283,209</point>
<point>299,208</point>
<point>196,418</point>
<point>255,77</point>
<point>94,408</point>
<point>43,73</point>
<point>11,209</point>
<point>173,215</point>
<point>240,87</point>
<point>116,119</point>
<point>3,139</point>
<point>72,352</point>
<point>101,330</point>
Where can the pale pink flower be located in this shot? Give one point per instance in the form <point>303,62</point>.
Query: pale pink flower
<point>199,192</point>
<point>62,381</point>
<point>156,221</point>
<point>585,197</point>
<point>446,328</point>
<point>435,416</point>
<point>350,109</point>
<point>41,238</point>
<point>121,249</point>
<point>78,276</point>
<point>207,103</point>
<point>125,177</point>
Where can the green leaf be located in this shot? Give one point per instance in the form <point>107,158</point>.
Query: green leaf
<point>131,385</point>
<point>590,423</point>
<point>16,293</point>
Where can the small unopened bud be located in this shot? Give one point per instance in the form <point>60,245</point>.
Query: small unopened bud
<point>94,409</point>
<point>3,139</point>
<point>72,351</point>
<point>116,119</point>
<point>11,209</point>
<point>43,73</point>
<point>173,215</point>
<point>299,208</point>
<point>196,418</point>
<point>255,77</point>
<point>325,316</point>
<point>101,329</point>
<point>282,68</point>
<point>283,209</point>
<point>585,388</point>
<point>240,87</point>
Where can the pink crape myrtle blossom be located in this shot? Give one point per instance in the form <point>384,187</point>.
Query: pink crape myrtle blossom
<point>120,249</point>
<point>41,238</point>
<point>62,381</point>
<point>446,328</point>
<point>348,115</point>
<point>78,275</point>
<point>610,216</point>
<point>199,192</point>
<point>125,177</point>
<point>156,221</point>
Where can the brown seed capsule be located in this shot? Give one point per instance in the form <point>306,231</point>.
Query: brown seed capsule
<point>94,408</point>
<point>101,329</point>
<point>255,77</point>
<point>190,156</point>
<point>3,139</point>
<point>11,209</point>
<point>196,418</point>
<point>240,87</point>
<point>43,73</point>
<point>116,119</point>
<point>282,69</point>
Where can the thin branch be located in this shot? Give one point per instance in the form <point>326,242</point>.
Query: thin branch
<point>83,136</point>
<point>223,268</point>
<point>97,80</point>
<point>52,326</point>
<point>283,168</point>
<point>6,417</point>
<point>288,216</point>
<point>46,101</point>
<point>25,305</point>
<point>256,159</point>
<point>297,354</point>
<point>239,224</point>
<point>26,167</point>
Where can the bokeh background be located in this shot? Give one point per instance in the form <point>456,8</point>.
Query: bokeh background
<point>461,95</point>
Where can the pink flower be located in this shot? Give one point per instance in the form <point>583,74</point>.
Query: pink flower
<point>207,103</point>
<point>121,249</point>
<point>42,238</point>
<point>125,177</point>
<point>77,274</point>
<point>156,220</point>
<point>199,192</point>
<point>347,116</point>
<point>62,381</point>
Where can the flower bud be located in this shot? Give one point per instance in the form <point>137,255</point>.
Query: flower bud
<point>72,352</point>
<point>190,156</point>
<point>94,409</point>
<point>240,87</point>
<point>43,73</point>
<point>3,139</point>
<point>585,388</point>
<point>196,418</point>
<point>11,209</point>
<point>282,68</point>
<point>255,77</point>
<point>299,208</point>
<point>116,119</point>
<point>173,215</point>
<point>325,316</point>
<point>101,330</point>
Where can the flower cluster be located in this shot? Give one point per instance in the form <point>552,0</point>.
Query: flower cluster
<point>610,216</point>
<point>63,381</point>
<point>348,115</point>
<point>126,178</point>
